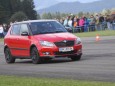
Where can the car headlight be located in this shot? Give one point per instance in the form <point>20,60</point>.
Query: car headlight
<point>78,41</point>
<point>46,43</point>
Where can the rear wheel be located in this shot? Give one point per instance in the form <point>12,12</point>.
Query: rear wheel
<point>9,58</point>
<point>35,56</point>
<point>75,58</point>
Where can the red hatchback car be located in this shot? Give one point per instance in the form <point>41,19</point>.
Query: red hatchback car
<point>40,40</point>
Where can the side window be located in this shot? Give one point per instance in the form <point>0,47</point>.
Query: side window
<point>24,28</point>
<point>15,30</point>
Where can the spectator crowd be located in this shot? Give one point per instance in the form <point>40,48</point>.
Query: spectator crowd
<point>79,24</point>
<point>84,24</point>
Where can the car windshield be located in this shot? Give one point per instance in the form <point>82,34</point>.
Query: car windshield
<point>47,27</point>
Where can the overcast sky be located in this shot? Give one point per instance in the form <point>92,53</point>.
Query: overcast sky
<point>83,1</point>
<point>40,4</point>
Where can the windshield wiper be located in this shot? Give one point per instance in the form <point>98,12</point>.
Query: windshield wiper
<point>46,32</point>
<point>58,31</point>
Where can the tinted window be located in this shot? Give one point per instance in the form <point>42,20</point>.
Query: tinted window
<point>15,30</point>
<point>24,28</point>
<point>47,27</point>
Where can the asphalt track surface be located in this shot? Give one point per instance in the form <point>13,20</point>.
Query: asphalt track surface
<point>97,63</point>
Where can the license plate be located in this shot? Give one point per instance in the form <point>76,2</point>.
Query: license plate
<point>66,49</point>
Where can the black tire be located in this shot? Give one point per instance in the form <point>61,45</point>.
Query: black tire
<point>35,56</point>
<point>9,58</point>
<point>46,59</point>
<point>75,58</point>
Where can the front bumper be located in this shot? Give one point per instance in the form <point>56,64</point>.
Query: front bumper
<point>54,51</point>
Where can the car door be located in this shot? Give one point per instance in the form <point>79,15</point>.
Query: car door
<point>13,39</point>
<point>24,40</point>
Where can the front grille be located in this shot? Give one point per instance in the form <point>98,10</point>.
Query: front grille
<point>64,53</point>
<point>64,43</point>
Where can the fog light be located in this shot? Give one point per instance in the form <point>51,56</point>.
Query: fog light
<point>46,53</point>
<point>79,51</point>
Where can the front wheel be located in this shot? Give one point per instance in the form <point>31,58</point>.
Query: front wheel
<point>9,58</point>
<point>35,56</point>
<point>75,58</point>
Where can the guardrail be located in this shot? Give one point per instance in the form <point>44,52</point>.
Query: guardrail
<point>89,28</point>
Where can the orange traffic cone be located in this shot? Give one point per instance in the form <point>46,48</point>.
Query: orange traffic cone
<point>97,38</point>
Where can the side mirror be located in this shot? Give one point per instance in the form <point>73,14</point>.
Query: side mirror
<point>24,34</point>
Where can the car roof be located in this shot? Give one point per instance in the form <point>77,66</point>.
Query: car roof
<point>32,21</point>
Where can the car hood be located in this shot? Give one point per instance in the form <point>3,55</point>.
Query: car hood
<point>53,37</point>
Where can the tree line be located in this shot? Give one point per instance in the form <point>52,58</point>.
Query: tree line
<point>59,15</point>
<point>17,10</point>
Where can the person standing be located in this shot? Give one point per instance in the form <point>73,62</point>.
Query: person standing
<point>109,23</point>
<point>62,20</point>
<point>113,25</point>
<point>101,22</point>
<point>70,22</point>
<point>92,23</point>
<point>1,31</point>
<point>81,23</point>
<point>112,18</point>
<point>97,23</point>
<point>75,24</point>
<point>66,21</point>
<point>6,28</point>
<point>86,24</point>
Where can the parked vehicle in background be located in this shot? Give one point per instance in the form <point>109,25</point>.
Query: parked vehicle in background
<point>40,40</point>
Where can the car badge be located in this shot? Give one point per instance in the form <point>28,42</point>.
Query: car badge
<point>65,41</point>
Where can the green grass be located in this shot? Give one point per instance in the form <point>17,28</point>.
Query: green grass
<point>23,81</point>
<point>93,34</point>
<point>1,39</point>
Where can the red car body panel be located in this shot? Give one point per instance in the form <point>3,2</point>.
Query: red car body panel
<point>20,45</point>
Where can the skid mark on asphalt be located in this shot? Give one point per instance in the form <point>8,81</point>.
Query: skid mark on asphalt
<point>100,55</point>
